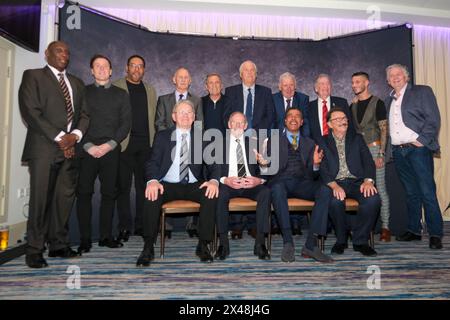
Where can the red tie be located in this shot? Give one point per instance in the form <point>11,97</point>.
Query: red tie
<point>324,117</point>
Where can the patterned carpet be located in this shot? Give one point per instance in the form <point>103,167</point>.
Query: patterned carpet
<point>408,271</point>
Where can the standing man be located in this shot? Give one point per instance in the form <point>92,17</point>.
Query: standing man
<point>110,123</point>
<point>52,103</point>
<point>414,123</point>
<point>174,172</point>
<point>288,97</point>
<point>284,99</point>
<point>182,81</point>
<point>240,178</point>
<point>349,170</point>
<point>214,104</point>
<point>319,108</point>
<point>136,147</point>
<point>256,103</point>
<point>369,119</point>
<point>299,163</point>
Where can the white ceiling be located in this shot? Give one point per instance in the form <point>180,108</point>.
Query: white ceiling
<point>424,12</point>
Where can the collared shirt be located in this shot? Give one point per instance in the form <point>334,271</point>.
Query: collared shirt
<point>319,109</point>
<point>290,135</point>
<point>285,102</point>
<point>177,95</point>
<point>173,175</point>
<point>399,132</point>
<point>343,172</point>
<point>56,72</point>
<point>233,166</point>
<point>252,90</point>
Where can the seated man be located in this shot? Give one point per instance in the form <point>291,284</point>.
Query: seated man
<point>240,178</point>
<point>173,174</point>
<point>348,169</point>
<point>299,161</point>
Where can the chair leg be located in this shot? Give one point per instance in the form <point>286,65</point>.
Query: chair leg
<point>372,240</point>
<point>321,243</point>
<point>269,235</point>
<point>214,248</point>
<point>163,235</point>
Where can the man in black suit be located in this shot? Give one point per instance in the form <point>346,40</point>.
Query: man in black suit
<point>319,108</point>
<point>52,103</point>
<point>349,170</point>
<point>240,178</point>
<point>297,176</point>
<point>176,171</point>
<point>256,103</point>
<point>182,81</point>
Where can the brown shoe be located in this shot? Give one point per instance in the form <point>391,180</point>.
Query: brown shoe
<point>385,235</point>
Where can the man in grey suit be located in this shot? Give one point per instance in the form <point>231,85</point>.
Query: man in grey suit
<point>53,106</point>
<point>414,123</point>
<point>136,146</point>
<point>182,80</point>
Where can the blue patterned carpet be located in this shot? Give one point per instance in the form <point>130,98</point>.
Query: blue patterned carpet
<point>408,271</point>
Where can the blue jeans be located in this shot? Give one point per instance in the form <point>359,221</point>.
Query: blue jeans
<point>415,168</point>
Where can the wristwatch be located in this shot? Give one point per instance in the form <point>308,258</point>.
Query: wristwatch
<point>369,180</point>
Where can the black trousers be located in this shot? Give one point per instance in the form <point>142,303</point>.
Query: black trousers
<point>131,164</point>
<point>261,194</point>
<point>106,168</point>
<point>368,209</point>
<point>178,191</point>
<point>52,193</point>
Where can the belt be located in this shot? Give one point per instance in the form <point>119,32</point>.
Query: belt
<point>404,145</point>
<point>374,144</point>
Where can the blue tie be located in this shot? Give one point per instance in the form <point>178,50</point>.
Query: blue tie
<point>248,110</point>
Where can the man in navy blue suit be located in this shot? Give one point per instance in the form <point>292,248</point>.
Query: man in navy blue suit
<point>414,123</point>
<point>319,108</point>
<point>349,170</point>
<point>174,172</point>
<point>256,103</point>
<point>288,97</point>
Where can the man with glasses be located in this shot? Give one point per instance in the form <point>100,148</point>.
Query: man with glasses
<point>136,146</point>
<point>349,170</point>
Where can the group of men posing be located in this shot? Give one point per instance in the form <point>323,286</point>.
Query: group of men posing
<point>323,150</point>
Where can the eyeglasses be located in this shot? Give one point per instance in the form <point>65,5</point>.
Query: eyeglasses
<point>136,66</point>
<point>340,119</point>
<point>184,113</point>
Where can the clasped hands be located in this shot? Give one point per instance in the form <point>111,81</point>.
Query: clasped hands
<point>242,182</point>
<point>99,151</point>
<point>67,144</point>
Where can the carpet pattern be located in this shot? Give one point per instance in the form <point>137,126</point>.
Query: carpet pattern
<point>407,271</point>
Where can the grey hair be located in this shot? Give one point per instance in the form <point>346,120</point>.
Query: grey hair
<point>242,65</point>
<point>397,65</point>
<point>180,102</point>
<point>288,75</point>
<point>322,75</point>
<point>181,68</point>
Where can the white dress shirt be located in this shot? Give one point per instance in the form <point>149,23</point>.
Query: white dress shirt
<point>399,132</point>
<point>233,166</point>
<point>319,109</point>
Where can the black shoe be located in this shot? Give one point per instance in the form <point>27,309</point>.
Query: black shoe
<point>192,233</point>
<point>63,253</point>
<point>84,247</point>
<point>147,255</point>
<point>275,230</point>
<point>338,248</point>
<point>124,235</point>
<point>408,236</point>
<point>110,243</point>
<point>435,243</point>
<point>222,253</point>
<point>260,250</point>
<point>236,234</point>
<point>139,232</point>
<point>203,251</point>
<point>35,260</point>
<point>365,249</point>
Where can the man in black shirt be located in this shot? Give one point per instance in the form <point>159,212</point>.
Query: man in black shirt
<point>214,104</point>
<point>136,146</point>
<point>369,118</point>
<point>110,124</point>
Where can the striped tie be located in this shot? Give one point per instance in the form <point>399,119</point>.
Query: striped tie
<point>67,99</point>
<point>294,142</point>
<point>240,160</point>
<point>184,168</point>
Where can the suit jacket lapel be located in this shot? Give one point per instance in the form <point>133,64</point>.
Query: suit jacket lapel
<point>54,81</point>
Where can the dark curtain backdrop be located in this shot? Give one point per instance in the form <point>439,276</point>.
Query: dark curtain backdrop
<point>164,53</point>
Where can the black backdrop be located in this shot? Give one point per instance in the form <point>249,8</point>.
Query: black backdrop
<point>339,57</point>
